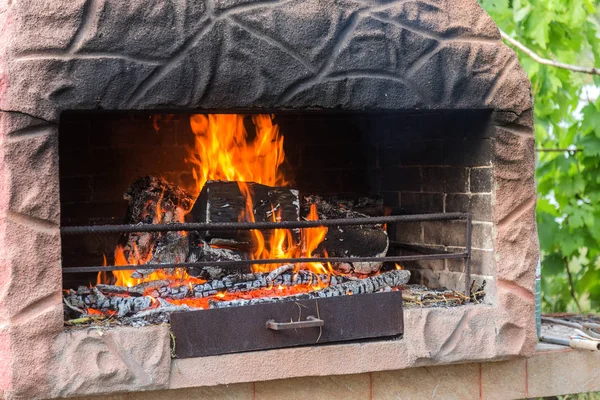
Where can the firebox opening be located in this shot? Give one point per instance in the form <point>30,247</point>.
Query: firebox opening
<point>375,163</point>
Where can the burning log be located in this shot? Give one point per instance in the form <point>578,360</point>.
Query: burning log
<point>349,241</point>
<point>155,201</point>
<point>373,284</point>
<point>261,281</point>
<point>137,290</point>
<point>202,251</point>
<point>222,201</point>
<point>95,299</point>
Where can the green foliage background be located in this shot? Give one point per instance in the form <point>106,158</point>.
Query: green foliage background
<point>568,211</point>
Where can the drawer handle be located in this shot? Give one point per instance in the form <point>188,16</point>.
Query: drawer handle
<point>311,322</point>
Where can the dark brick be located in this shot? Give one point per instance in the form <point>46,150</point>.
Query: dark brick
<point>358,181</point>
<point>391,199</point>
<point>156,160</point>
<point>102,161</point>
<point>93,213</point>
<point>469,152</point>
<point>389,156</point>
<point>457,203</point>
<point>481,207</point>
<point>455,264</point>
<point>421,202</point>
<point>76,189</point>
<point>338,155</point>
<point>481,180</point>
<point>401,127</point>
<point>446,233</point>
<point>427,277</point>
<point>469,124</point>
<point>74,133</point>
<point>326,128</point>
<point>429,152</point>
<point>75,162</point>
<point>434,125</point>
<point>402,179</point>
<point>316,181</point>
<point>109,189</point>
<point>374,178</point>
<point>372,155</point>
<point>293,156</point>
<point>409,233</point>
<point>445,179</point>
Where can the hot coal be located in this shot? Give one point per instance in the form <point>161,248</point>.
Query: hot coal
<point>127,302</point>
<point>373,284</point>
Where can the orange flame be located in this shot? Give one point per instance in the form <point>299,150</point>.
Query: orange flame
<point>224,151</point>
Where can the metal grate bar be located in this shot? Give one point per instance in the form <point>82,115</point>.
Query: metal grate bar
<point>242,263</point>
<point>235,226</point>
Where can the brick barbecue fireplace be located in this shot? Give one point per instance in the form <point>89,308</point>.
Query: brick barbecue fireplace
<point>410,117</point>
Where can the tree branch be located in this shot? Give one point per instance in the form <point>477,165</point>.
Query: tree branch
<point>545,61</point>
<point>542,150</point>
<point>571,285</point>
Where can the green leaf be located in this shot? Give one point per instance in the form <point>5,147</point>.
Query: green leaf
<point>591,119</point>
<point>591,146</point>
<point>538,28</point>
<point>552,264</point>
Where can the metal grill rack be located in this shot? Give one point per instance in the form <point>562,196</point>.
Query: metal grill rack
<point>431,254</point>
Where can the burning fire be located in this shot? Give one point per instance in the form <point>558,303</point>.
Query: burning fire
<point>223,150</point>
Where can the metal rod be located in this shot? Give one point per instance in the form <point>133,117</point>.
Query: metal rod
<point>418,248</point>
<point>241,263</point>
<point>468,257</point>
<point>556,340</point>
<point>582,344</point>
<point>310,322</point>
<point>235,226</point>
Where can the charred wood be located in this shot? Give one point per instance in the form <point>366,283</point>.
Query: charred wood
<point>138,289</point>
<point>349,241</point>
<point>234,284</point>
<point>373,284</point>
<point>153,200</point>
<point>278,271</point>
<point>202,251</point>
<point>371,206</point>
<point>121,305</point>
<point>222,201</point>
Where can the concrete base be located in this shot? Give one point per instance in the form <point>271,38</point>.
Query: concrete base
<point>552,371</point>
